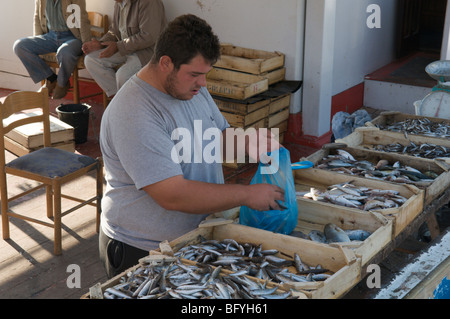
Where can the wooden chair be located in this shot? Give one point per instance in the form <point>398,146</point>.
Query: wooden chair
<point>99,26</point>
<point>50,167</point>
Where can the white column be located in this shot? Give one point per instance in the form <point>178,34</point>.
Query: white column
<point>318,68</point>
<point>445,51</point>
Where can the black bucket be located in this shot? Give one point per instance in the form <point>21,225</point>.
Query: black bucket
<point>77,116</point>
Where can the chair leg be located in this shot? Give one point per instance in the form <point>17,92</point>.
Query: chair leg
<point>57,217</point>
<point>76,87</point>
<point>49,200</point>
<point>4,209</point>
<point>99,196</point>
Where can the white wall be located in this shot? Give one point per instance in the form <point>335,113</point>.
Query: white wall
<point>359,50</point>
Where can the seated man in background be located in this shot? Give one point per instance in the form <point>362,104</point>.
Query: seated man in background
<point>56,29</point>
<point>129,43</point>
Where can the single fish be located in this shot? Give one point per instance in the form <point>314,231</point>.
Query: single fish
<point>317,236</point>
<point>334,234</point>
<point>357,234</point>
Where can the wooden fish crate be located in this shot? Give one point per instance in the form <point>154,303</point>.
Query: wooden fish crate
<point>401,216</point>
<point>246,121</point>
<point>390,118</point>
<point>28,138</point>
<point>432,190</point>
<point>315,215</point>
<point>368,137</point>
<point>97,291</point>
<point>249,60</point>
<point>345,265</point>
<point>273,76</point>
<point>240,88</point>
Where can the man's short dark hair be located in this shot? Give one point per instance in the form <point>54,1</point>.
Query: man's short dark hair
<point>186,37</point>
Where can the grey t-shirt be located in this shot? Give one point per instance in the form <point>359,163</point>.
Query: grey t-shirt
<point>138,140</point>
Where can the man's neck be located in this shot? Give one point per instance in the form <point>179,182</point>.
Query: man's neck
<point>150,74</point>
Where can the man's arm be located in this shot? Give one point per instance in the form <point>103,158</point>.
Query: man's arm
<point>193,197</point>
<point>151,13</point>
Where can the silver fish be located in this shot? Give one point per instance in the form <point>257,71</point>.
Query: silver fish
<point>334,234</point>
<point>357,234</point>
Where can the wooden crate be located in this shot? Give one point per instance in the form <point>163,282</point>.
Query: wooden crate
<point>249,60</point>
<point>240,88</point>
<point>245,121</point>
<point>315,215</point>
<point>239,107</point>
<point>345,265</point>
<point>401,216</point>
<point>389,118</point>
<point>367,137</point>
<point>432,190</point>
<point>273,76</point>
<point>96,292</point>
<point>27,138</point>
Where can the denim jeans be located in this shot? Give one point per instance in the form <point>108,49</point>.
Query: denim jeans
<point>66,46</point>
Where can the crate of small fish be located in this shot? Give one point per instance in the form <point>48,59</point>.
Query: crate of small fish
<point>330,191</point>
<point>366,233</point>
<point>171,277</point>
<point>303,268</point>
<point>372,138</point>
<point>407,124</point>
<point>431,175</point>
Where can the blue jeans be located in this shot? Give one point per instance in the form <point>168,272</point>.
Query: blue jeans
<point>66,46</point>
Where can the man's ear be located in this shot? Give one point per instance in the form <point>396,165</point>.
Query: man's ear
<point>165,63</point>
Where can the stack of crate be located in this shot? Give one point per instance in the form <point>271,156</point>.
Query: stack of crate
<point>237,81</point>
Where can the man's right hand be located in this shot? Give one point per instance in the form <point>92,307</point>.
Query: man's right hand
<point>265,197</point>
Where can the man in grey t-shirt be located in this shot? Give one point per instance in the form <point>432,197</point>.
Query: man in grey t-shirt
<point>161,182</point>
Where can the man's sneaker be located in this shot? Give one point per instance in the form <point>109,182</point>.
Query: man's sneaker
<point>60,92</point>
<point>50,86</point>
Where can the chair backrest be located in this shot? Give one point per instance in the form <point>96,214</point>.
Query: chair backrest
<point>21,101</point>
<point>99,23</point>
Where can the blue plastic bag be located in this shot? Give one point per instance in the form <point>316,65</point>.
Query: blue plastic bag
<point>278,172</point>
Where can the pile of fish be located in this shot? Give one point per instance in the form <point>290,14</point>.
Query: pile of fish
<point>344,162</point>
<point>250,259</point>
<point>425,150</point>
<point>360,197</point>
<point>419,126</point>
<point>334,234</point>
<point>174,279</point>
